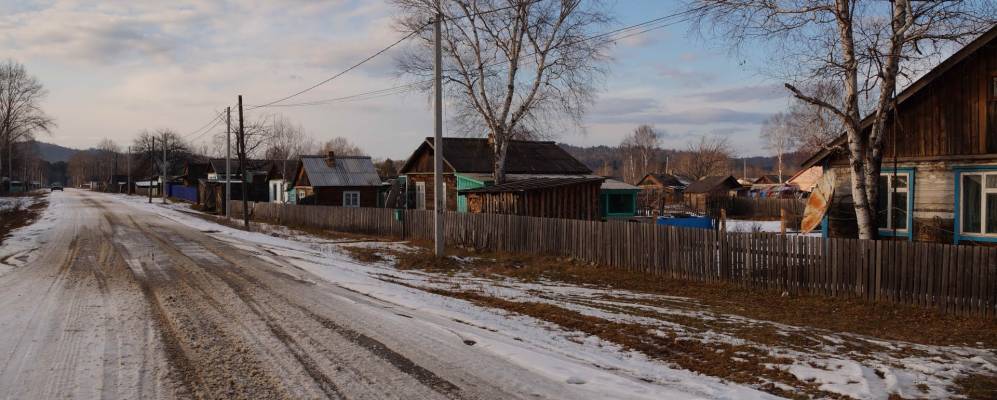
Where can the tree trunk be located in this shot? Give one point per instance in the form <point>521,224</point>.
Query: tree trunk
<point>500,148</point>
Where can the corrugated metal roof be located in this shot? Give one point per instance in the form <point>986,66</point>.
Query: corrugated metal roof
<point>346,171</point>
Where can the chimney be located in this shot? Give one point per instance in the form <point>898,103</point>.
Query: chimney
<point>330,159</point>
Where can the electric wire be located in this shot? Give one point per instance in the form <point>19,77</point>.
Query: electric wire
<point>650,25</point>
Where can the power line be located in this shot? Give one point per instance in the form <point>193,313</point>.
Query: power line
<point>650,25</point>
<point>217,120</point>
<point>204,128</point>
<point>343,72</point>
<point>380,52</point>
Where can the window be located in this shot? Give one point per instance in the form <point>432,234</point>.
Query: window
<point>420,195</point>
<point>893,203</point>
<point>351,199</point>
<point>978,195</point>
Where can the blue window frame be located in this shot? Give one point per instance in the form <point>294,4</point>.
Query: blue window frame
<point>975,204</point>
<point>896,202</point>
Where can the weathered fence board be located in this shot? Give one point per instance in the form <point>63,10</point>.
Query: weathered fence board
<point>950,278</point>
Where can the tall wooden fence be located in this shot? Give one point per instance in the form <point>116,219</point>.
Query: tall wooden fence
<point>953,279</point>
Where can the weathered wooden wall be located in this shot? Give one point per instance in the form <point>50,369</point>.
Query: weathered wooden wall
<point>579,201</point>
<point>953,279</point>
<point>950,116</point>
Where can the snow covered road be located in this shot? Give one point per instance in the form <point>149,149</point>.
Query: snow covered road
<point>114,298</point>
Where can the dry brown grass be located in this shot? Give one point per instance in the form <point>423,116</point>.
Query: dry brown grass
<point>877,319</point>
<point>737,363</point>
<point>977,386</point>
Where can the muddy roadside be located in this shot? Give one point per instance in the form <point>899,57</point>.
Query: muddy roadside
<point>20,211</point>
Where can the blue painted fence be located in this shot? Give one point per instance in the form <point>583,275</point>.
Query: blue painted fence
<point>178,191</point>
<point>687,222</point>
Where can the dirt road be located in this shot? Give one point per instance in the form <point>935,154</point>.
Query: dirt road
<point>123,303</point>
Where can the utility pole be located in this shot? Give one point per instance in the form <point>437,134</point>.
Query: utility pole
<point>241,148</point>
<point>228,160</point>
<point>128,166</point>
<point>162,178</point>
<point>438,194</point>
<point>152,156</point>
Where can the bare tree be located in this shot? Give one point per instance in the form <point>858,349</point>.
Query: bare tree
<point>639,150</point>
<point>21,115</point>
<point>708,156</point>
<point>341,147</point>
<point>813,127</point>
<point>512,66</point>
<point>147,152</point>
<point>779,136</point>
<point>106,157</point>
<point>861,47</point>
<point>286,141</point>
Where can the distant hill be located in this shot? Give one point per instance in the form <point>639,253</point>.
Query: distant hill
<point>609,160</point>
<point>53,152</point>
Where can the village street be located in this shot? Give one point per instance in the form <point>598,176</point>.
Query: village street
<point>104,299</point>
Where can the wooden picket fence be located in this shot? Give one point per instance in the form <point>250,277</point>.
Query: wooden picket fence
<point>950,278</point>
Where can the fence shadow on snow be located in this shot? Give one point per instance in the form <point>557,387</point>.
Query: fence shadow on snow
<point>951,278</point>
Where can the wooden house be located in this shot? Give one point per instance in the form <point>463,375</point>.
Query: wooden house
<point>658,191</point>
<point>939,170</point>
<point>769,179</point>
<point>342,181</point>
<point>468,164</point>
<point>698,194</point>
<point>569,198</point>
<point>806,178</point>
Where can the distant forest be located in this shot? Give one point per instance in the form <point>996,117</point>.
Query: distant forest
<point>610,161</point>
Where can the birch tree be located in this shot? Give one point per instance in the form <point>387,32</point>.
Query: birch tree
<point>778,134</point>
<point>512,66</point>
<point>862,47</point>
<point>21,115</point>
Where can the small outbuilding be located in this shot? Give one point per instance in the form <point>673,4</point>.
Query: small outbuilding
<point>658,191</point>
<point>617,199</point>
<point>567,197</point>
<point>342,181</point>
<point>698,194</point>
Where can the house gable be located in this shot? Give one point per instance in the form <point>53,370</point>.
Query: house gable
<point>948,113</point>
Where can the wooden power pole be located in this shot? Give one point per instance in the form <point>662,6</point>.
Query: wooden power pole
<point>228,160</point>
<point>241,148</point>
<point>152,156</point>
<point>438,194</point>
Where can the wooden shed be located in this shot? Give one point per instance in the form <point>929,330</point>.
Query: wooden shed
<point>698,194</point>
<point>658,191</point>
<point>570,198</point>
<point>939,170</point>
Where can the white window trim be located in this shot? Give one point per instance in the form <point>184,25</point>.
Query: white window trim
<point>347,195</point>
<point>889,200</point>
<point>983,203</point>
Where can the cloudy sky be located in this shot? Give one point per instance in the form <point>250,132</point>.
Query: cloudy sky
<point>114,68</point>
